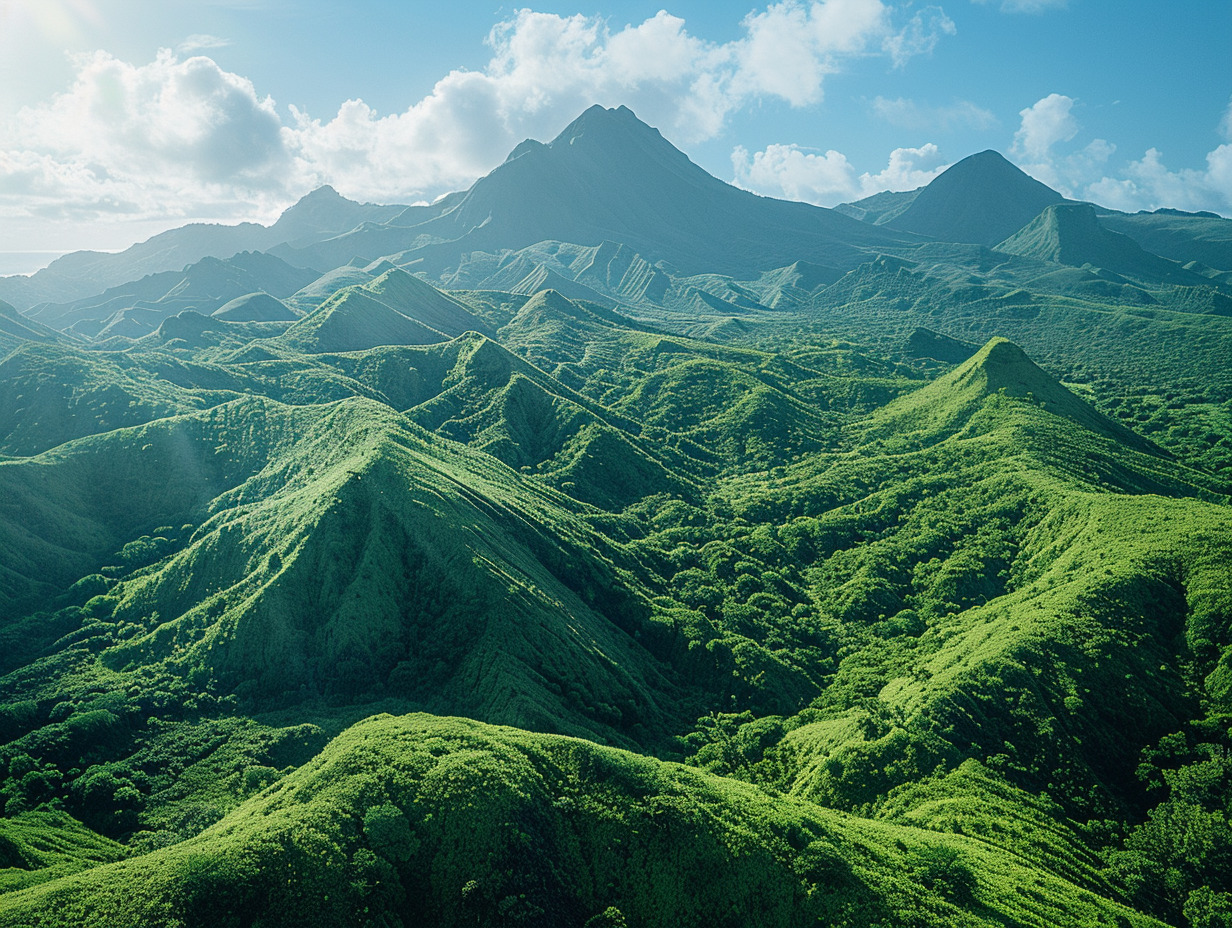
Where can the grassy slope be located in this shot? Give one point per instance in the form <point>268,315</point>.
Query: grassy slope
<point>337,551</point>
<point>451,822</point>
<point>961,617</point>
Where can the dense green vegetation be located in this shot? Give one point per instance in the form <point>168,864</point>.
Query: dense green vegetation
<point>893,589</point>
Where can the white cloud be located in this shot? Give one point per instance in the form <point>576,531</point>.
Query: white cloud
<point>161,138</point>
<point>828,178</point>
<point>1044,124</point>
<point>1084,173</point>
<point>1149,184</point>
<point>908,169</point>
<point>909,114</point>
<point>181,136</point>
<point>199,42</point>
<point>789,172</point>
<point>546,68</point>
<point>790,47</point>
<point>920,36</point>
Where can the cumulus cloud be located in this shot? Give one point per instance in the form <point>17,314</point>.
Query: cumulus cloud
<point>180,133</point>
<point>1087,172</point>
<point>790,47</point>
<point>908,114</point>
<point>828,178</point>
<point>1044,124</point>
<point>546,68</point>
<point>1148,183</point>
<point>161,137</point>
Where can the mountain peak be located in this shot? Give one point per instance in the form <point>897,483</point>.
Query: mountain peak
<point>981,200</point>
<point>607,126</point>
<point>324,198</point>
<point>608,176</point>
<point>1002,365</point>
<point>324,192</point>
<point>325,210</point>
<point>600,116</point>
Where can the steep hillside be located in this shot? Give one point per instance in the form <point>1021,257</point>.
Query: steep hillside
<point>1070,233</point>
<point>1183,237</point>
<point>699,559</point>
<point>458,823</point>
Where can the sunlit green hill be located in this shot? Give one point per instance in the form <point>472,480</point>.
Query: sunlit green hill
<point>607,546</point>
<point>457,822</point>
<point>51,393</point>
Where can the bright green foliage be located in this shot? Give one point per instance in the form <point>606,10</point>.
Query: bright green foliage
<point>423,820</point>
<point>936,645</point>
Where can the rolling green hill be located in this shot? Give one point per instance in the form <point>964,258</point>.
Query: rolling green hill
<point>691,559</point>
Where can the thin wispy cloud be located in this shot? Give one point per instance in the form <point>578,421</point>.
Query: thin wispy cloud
<point>1026,6</point>
<point>910,114</point>
<point>201,42</point>
<point>919,36</point>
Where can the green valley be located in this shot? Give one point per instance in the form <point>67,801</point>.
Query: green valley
<point>627,550</point>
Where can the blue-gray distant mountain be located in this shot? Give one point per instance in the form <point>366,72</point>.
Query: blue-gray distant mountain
<point>981,200</point>
<point>255,307</point>
<point>16,329</point>
<point>320,214</point>
<point>1204,238</point>
<point>609,177</point>
<point>1070,233</point>
<point>204,286</point>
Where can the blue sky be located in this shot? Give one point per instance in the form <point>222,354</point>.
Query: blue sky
<point>119,118</point>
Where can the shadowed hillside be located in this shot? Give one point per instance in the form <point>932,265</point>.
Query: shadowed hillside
<point>982,199</point>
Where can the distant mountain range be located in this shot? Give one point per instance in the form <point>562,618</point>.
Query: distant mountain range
<point>609,178</point>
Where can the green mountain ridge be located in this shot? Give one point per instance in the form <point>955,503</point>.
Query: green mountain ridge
<point>1071,234</point>
<point>692,558</point>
